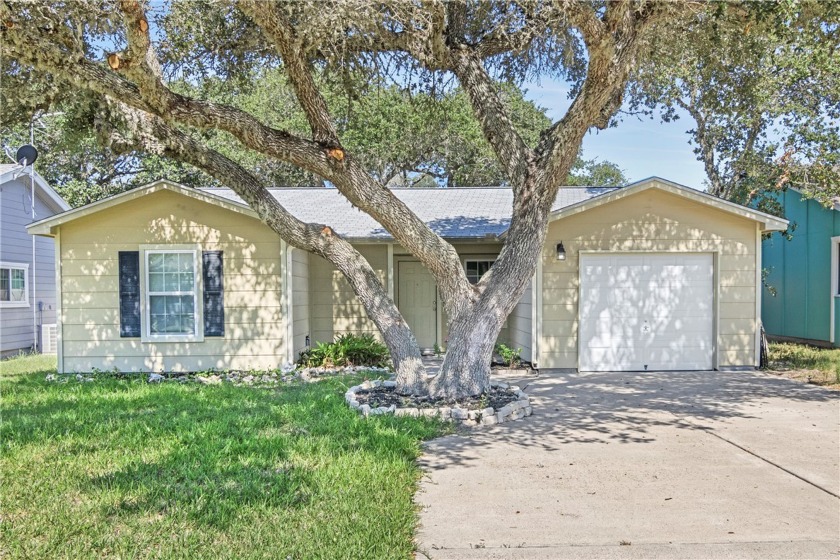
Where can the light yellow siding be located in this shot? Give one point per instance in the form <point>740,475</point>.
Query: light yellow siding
<point>334,308</point>
<point>655,221</point>
<point>254,323</point>
<point>520,323</point>
<point>300,299</point>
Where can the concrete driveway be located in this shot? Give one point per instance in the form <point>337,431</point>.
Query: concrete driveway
<point>653,465</point>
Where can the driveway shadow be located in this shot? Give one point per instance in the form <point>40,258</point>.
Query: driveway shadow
<point>622,408</point>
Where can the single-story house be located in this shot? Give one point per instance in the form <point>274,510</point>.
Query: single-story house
<point>804,273</point>
<point>651,276</point>
<point>27,263</point>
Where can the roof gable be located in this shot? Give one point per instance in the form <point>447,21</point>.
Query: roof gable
<point>8,173</point>
<point>47,226</point>
<point>768,222</point>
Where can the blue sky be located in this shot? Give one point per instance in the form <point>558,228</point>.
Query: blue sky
<point>640,147</point>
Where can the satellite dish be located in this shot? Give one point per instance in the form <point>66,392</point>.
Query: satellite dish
<point>26,155</point>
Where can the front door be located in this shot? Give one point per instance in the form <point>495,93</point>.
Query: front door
<point>418,301</point>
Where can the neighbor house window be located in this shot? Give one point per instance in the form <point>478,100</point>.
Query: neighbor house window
<point>171,293</point>
<point>837,268</point>
<point>13,288</point>
<point>476,269</point>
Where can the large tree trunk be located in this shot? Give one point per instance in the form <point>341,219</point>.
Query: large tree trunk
<point>466,366</point>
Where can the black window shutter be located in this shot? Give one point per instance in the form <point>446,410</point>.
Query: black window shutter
<point>129,264</point>
<point>214,294</point>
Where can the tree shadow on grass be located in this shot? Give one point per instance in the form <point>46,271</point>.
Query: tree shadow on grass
<point>623,408</point>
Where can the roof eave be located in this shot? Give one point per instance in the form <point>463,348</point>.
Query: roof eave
<point>493,238</point>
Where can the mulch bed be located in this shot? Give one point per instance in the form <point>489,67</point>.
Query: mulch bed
<point>386,396</point>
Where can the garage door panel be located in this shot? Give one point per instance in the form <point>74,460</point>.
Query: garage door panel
<point>627,359</point>
<point>606,334</point>
<point>646,310</point>
<point>682,326</point>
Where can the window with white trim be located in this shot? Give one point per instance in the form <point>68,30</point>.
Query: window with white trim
<point>14,290</point>
<point>171,293</point>
<point>837,268</point>
<point>475,269</point>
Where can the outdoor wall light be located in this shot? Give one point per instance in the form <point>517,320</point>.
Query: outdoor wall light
<point>561,252</point>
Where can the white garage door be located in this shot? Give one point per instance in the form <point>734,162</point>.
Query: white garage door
<point>646,312</point>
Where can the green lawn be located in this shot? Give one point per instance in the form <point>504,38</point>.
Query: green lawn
<point>120,468</point>
<point>821,365</point>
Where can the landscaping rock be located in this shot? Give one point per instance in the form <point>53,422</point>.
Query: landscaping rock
<point>516,415</point>
<point>376,397</point>
<point>504,412</point>
<point>459,414</point>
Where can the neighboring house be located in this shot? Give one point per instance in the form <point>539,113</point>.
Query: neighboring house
<point>804,272</point>
<point>27,264</point>
<point>656,276</point>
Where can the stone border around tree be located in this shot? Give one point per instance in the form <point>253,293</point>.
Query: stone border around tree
<point>520,408</point>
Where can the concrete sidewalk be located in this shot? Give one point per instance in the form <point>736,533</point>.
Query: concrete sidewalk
<point>656,465</point>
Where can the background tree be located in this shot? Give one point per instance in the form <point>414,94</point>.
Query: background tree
<point>402,139</point>
<point>427,45</point>
<point>763,90</point>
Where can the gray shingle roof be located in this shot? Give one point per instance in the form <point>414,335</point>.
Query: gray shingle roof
<point>459,213</point>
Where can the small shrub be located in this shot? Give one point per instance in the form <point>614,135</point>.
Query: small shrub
<point>346,350</point>
<point>512,357</point>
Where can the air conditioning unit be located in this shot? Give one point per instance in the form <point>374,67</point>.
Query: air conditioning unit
<point>49,338</point>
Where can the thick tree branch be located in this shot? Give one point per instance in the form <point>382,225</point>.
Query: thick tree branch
<point>512,151</point>
<point>292,49</point>
<point>583,16</point>
<point>705,145</point>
